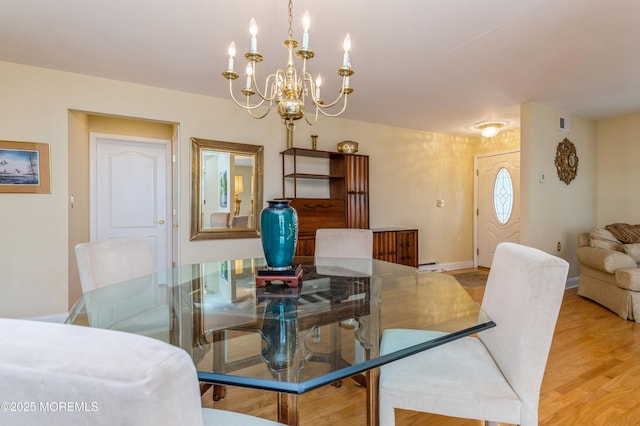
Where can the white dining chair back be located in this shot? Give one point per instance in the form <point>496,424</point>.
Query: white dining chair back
<point>65,375</point>
<point>497,376</point>
<point>106,262</point>
<point>240,221</point>
<point>344,242</point>
<point>219,219</point>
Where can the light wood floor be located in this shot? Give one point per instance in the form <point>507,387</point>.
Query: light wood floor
<point>592,378</point>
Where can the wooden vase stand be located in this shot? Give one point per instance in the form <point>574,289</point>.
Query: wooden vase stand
<point>288,277</point>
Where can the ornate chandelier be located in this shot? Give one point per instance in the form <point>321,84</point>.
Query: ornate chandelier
<point>288,89</point>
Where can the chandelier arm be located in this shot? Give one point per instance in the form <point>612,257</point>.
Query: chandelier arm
<point>315,118</point>
<point>257,117</point>
<point>318,102</point>
<point>329,105</point>
<point>263,95</point>
<point>246,105</point>
<point>344,107</point>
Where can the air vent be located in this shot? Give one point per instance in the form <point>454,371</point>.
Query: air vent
<point>564,124</point>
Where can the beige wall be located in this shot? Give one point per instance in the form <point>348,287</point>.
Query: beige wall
<point>552,211</point>
<point>410,169</point>
<point>618,171</point>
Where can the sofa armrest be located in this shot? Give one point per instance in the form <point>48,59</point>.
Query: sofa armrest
<point>628,279</point>
<point>604,260</point>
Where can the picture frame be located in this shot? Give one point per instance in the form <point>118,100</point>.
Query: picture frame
<point>25,167</point>
<point>223,189</point>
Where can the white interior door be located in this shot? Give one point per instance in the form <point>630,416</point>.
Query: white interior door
<point>131,191</point>
<point>498,203</point>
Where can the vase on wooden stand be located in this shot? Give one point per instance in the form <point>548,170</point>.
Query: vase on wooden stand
<point>279,234</point>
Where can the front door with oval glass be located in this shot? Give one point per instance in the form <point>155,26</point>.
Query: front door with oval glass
<point>498,214</point>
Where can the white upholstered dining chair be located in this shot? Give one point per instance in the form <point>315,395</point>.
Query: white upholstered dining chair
<point>58,374</point>
<point>347,243</point>
<point>344,242</point>
<point>219,219</point>
<point>497,376</point>
<point>240,221</point>
<point>106,262</point>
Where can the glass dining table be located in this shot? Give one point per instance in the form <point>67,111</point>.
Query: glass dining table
<point>282,338</point>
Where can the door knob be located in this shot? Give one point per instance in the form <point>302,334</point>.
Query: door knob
<point>160,222</point>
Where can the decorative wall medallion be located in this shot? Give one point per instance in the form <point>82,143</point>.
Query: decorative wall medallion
<point>566,161</point>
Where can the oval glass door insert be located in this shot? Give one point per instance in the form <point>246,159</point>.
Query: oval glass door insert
<point>503,196</point>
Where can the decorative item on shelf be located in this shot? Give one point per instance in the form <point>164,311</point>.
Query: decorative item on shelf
<point>489,129</point>
<point>314,142</point>
<point>279,234</point>
<point>348,147</point>
<point>288,89</point>
<point>566,161</point>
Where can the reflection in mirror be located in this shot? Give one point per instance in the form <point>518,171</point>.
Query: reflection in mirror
<point>226,195</point>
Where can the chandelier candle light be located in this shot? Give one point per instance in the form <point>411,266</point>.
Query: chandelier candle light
<point>288,89</point>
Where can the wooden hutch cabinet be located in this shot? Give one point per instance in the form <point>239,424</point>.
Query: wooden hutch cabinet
<point>342,180</point>
<point>396,245</point>
<point>331,190</point>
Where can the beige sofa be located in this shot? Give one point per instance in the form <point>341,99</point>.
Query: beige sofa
<point>609,270</point>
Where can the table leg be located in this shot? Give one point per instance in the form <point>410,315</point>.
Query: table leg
<point>288,408</point>
<point>373,377</point>
<point>218,358</point>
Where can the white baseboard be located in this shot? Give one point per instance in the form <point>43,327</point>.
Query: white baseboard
<point>572,282</point>
<point>50,318</point>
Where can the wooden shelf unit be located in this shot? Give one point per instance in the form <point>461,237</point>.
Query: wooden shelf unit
<point>348,187</point>
<point>346,207</point>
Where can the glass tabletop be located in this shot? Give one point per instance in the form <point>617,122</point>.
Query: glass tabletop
<point>281,337</point>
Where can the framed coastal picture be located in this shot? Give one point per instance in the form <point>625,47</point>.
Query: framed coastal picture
<point>25,167</point>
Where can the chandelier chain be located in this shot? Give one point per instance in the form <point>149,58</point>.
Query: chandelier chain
<point>290,19</point>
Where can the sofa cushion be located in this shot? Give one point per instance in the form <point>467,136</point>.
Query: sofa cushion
<point>628,278</point>
<point>633,250</point>
<point>604,239</point>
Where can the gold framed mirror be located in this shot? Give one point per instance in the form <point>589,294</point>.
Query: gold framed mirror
<point>226,189</point>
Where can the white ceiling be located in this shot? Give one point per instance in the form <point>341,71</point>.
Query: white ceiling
<point>437,65</point>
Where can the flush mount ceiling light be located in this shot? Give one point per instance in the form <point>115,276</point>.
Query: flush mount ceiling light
<point>489,129</point>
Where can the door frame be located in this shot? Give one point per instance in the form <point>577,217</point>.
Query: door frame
<point>476,190</point>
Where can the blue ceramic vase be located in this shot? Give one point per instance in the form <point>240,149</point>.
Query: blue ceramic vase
<point>279,233</point>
